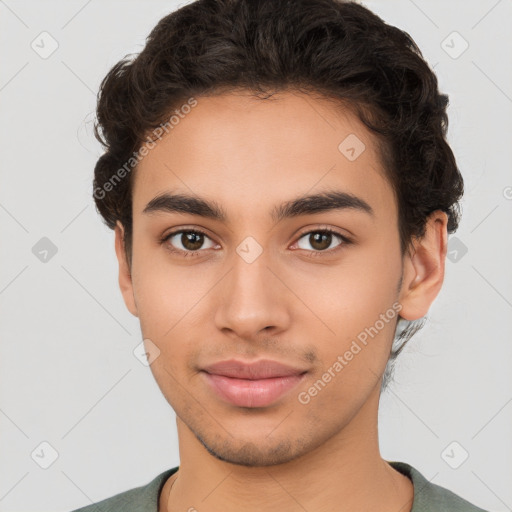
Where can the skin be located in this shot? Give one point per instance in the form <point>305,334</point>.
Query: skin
<point>250,155</point>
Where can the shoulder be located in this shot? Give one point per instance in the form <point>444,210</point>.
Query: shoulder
<point>140,498</point>
<point>432,497</point>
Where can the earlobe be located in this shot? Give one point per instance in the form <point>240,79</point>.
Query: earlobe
<point>125,277</point>
<point>424,268</point>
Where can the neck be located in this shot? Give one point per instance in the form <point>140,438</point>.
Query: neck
<point>346,472</point>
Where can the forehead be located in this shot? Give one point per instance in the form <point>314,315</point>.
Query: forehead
<point>250,154</point>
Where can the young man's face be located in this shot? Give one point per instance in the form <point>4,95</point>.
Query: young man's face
<point>302,302</point>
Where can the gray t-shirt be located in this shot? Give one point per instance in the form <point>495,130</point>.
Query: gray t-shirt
<point>428,497</point>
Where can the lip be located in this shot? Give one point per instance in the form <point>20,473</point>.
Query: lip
<point>257,384</point>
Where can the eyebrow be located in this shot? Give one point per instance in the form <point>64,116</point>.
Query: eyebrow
<point>316,203</point>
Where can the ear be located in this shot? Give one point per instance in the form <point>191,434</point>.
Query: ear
<point>424,265</point>
<point>125,277</point>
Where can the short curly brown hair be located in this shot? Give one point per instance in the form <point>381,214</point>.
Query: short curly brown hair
<point>333,48</point>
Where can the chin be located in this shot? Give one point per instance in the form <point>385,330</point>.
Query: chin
<point>252,453</point>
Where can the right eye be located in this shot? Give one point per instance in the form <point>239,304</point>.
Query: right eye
<point>188,241</point>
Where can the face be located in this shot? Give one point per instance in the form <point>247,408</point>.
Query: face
<point>265,282</point>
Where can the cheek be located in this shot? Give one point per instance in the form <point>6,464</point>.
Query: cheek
<point>351,296</point>
<point>166,294</point>
<point>372,278</point>
<point>357,301</point>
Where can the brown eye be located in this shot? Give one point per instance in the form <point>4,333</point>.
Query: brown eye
<point>187,241</point>
<point>320,240</point>
<point>191,241</point>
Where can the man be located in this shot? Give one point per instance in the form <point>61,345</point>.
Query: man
<point>281,190</point>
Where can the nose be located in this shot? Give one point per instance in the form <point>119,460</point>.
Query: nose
<point>253,299</point>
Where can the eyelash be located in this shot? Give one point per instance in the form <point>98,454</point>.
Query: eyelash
<point>311,254</point>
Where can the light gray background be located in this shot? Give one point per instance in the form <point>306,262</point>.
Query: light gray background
<point>68,374</point>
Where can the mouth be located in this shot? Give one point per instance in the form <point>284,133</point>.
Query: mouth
<point>252,385</point>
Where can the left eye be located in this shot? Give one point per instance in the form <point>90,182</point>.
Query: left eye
<point>320,240</point>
